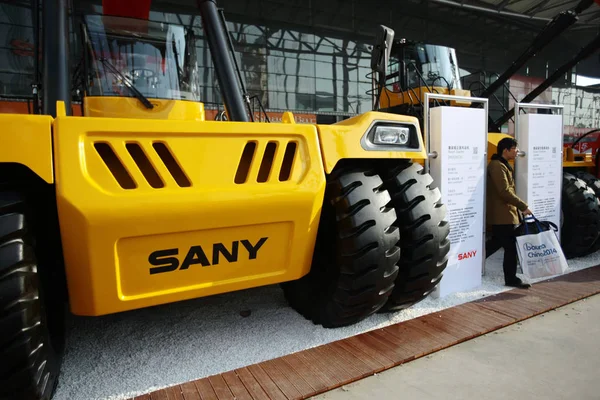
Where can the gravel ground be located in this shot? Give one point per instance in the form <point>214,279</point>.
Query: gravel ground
<point>128,354</point>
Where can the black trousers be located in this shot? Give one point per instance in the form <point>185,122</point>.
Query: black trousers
<point>504,236</point>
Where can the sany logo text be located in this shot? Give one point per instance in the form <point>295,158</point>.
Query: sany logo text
<point>465,255</point>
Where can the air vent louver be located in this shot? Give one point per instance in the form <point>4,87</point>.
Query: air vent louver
<point>269,166</point>
<point>140,157</point>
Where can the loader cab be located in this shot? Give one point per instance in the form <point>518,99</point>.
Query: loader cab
<point>419,65</point>
<point>139,68</point>
<point>414,69</point>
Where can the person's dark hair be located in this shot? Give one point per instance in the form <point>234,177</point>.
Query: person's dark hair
<point>505,144</point>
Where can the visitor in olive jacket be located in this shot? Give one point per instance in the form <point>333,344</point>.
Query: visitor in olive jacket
<point>502,209</point>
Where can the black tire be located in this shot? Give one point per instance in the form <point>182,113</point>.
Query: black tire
<point>354,263</point>
<point>421,218</point>
<point>593,183</point>
<point>590,180</point>
<point>29,353</point>
<point>581,217</point>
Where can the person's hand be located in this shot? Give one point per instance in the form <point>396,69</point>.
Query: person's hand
<point>527,212</point>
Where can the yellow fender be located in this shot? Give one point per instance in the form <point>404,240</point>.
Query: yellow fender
<point>27,140</point>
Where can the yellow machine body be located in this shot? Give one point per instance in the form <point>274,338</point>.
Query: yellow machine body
<point>130,107</point>
<point>574,160</point>
<point>27,140</point>
<point>390,99</point>
<point>493,139</point>
<point>154,211</point>
<point>342,140</point>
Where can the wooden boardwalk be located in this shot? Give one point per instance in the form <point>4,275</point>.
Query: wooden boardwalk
<point>316,370</point>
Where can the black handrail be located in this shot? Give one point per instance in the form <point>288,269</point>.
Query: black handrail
<point>255,99</point>
<point>493,95</point>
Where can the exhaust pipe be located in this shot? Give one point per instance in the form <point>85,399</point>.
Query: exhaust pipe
<point>217,42</point>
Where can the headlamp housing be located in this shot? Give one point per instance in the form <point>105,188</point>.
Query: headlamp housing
<point>391,136</point>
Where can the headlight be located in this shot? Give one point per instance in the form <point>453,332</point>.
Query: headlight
<point>390,135</point>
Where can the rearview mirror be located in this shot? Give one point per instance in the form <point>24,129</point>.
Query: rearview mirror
<point>382,49</point>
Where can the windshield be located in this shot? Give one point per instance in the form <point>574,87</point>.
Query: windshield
<point>428,65</point>
<point>139,58</point>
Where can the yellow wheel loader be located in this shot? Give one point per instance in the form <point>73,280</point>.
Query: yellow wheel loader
<point>140,201</point>
<point>415,68</point>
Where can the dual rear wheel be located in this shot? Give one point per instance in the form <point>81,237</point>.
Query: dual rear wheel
<point>382,244</point>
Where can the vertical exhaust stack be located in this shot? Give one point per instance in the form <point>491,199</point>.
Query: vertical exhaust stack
<point>217,42</point>
<point>380,58</point>
<point>57,78</point>
<point>35,10</point>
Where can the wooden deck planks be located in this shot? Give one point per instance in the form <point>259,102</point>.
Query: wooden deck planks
<point>236,386</point>
<point>189,391</point>
<point>174,393</point>
<point>442,322</point>
<point>357,366</point>
<point>267,384</point>
<point>205,389</point>
<point>159,395</point>
<point>251,384</point>
<point>282,381</point>
<point>362,346</point>
<point>310,374</point>
<point>367,358</point>
<point>220,387</point>
<point>442,338</point>
<point>421,340</point>
<point>316,370</point>
<point>294,376</point>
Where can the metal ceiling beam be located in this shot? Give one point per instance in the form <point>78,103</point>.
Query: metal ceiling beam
<point>502,4</point>
<point>489,10</point>
<point>589,17</point>
<point>560,5</point>
<point>539,5</point>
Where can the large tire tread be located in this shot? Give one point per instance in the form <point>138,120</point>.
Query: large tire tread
<point>28,363</point>
<point>581,213</point>
<point>424,230</point>
<point>355,257</point>
<point>593,183</point>
<point>590,180</point>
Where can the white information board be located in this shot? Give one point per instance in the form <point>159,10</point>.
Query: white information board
<point>539,172</point>
<point>459,137</point>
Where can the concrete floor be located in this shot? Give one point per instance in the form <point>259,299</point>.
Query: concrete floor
<point>552,356</point>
